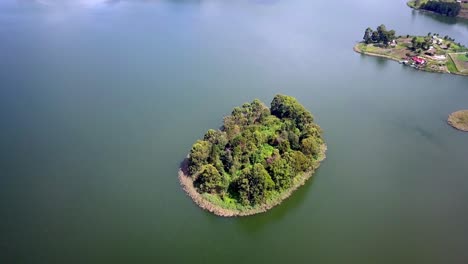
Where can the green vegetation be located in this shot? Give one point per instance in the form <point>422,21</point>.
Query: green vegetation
<point>421,43</point>
<point>451,65</point>
<point>381,35</point>
<point>431,53</point>
<point>256,156</point>
<point>460,61</point>
<point>463,57</point>
<point>416,3</point>
<point>449,8</point>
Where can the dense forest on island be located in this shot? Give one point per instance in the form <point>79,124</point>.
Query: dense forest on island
<point>257,154</point>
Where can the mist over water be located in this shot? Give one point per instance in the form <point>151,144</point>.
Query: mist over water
<point>101,100</point>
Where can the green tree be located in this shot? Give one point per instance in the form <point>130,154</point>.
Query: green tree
<point>298,161</point>
<point>368,35</point>
<point>254,185</point>
<point>375,36</point>
<point>420,43</point>
<point>391,35</point>
<point>381,35</point>
<point>310,146</point>
<point>382,31</point>
<point>284,106</point>
<point>209,180</point>
<point>199,155</point>
<point>280,172</point>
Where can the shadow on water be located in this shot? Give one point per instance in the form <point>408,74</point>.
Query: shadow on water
<point>440,18</point>
<point>421,132</point>
<point>256,223</point>
<point>381,63</point>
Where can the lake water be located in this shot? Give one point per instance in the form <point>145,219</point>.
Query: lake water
<point>101,100</point>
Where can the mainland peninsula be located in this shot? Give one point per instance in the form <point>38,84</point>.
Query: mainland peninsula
<point>450,8</point>
<point>255,160</point>
<point>432,53</point>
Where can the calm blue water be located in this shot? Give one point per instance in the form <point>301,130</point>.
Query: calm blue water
<point>101,100</point>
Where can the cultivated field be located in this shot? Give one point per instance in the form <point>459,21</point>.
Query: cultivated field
<point>461,61</point>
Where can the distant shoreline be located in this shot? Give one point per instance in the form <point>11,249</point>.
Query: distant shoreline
<point>357,49</point>
<point>462,15</point>
<point>187,184</point>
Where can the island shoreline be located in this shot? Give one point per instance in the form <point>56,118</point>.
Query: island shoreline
<point>187,185</point>
<point>452,120</point>
<point>358,50</point>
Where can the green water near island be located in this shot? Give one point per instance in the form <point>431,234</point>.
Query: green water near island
<point>101,101</point>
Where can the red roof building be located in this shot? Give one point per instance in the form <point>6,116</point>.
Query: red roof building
<point>419,60</point>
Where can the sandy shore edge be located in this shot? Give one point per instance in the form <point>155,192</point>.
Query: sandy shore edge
<point>187,185</point>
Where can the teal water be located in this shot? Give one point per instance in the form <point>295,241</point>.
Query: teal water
<point>101,100</point>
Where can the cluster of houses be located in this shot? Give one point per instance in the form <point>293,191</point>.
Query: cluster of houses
<point>432,51</point>
<point>419,61</point>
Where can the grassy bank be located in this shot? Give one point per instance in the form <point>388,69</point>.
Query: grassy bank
<point>413,3</point>
<point>451,65</point>
<point>228,207</point>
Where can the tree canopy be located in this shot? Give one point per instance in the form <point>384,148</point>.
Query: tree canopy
<point>381,35</point>
<point>451,9</point>
<point>257,153</point>
<point>421,42</point>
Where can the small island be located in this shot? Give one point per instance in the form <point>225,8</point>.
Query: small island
<point>450,8</point>
<point>255,160</point>
<point>459,120</point>
<point>431,53</point>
